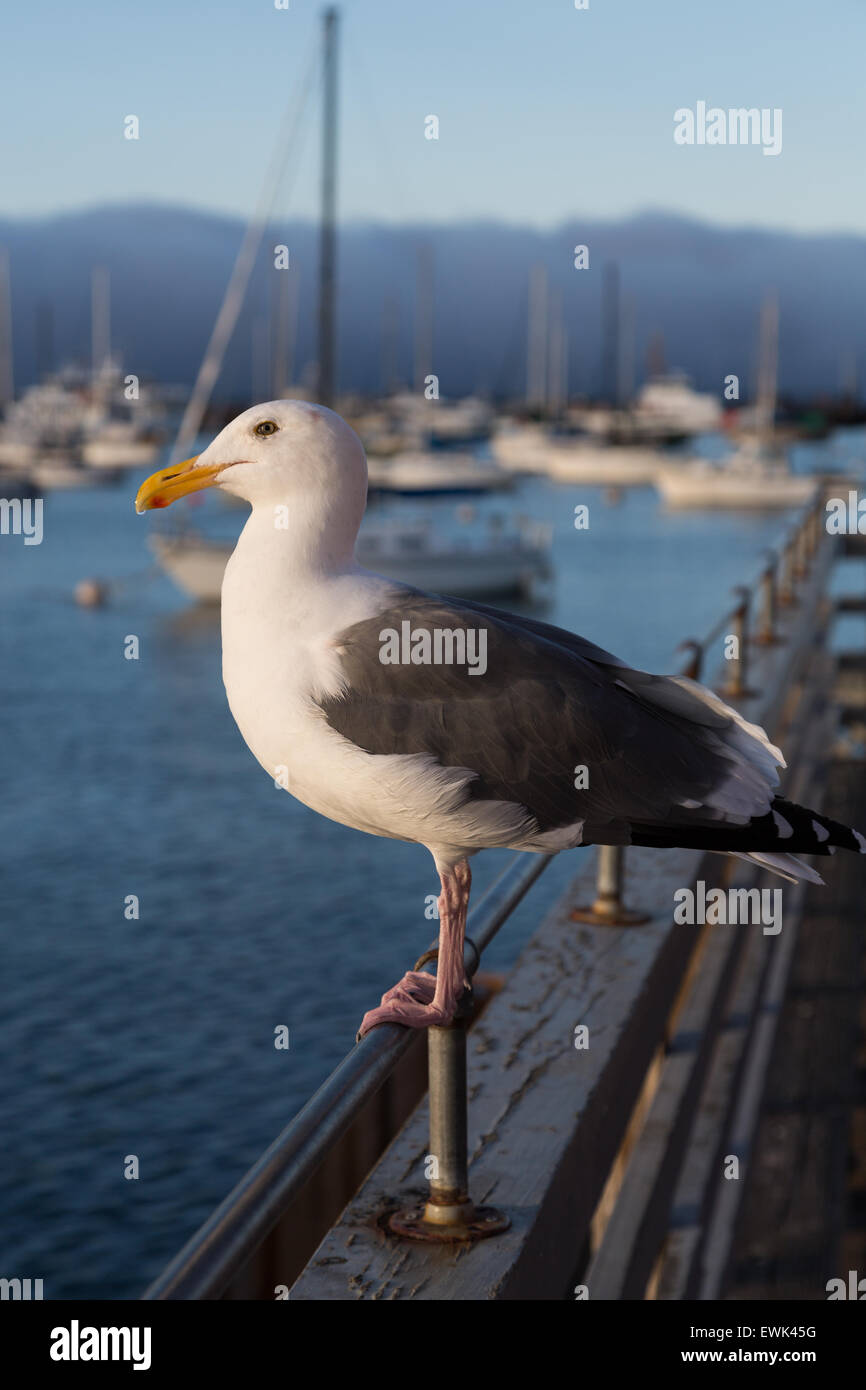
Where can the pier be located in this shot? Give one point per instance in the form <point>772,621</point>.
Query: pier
<point>643,1108</point>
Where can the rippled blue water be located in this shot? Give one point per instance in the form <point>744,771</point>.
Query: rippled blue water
<point>155,1037</point>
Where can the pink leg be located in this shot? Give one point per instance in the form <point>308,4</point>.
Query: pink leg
<point>419,1000</point>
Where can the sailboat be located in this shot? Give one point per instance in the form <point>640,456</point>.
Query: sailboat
<point>758,474</point>
<point>429,472</point>
<point>75,428</point>
<point>751,477</point>
<point>501,559</point>
<point>531,448</point>
<point>558,451</point>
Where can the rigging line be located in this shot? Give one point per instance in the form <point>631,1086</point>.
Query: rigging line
<point>227,317</point>
<point>399,181</point>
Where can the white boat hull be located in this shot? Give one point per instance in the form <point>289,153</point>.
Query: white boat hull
<point>521,450</point>
<point>610,467</point>
<point>127,453</point>
<point>62,477</point>
<point>696,488</point>
<point>15,453</point>
<point>531,450</point>
<point>431,473</point>
<point>196,565</point>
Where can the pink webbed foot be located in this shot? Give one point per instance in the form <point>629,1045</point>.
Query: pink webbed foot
<point>410,1002</point>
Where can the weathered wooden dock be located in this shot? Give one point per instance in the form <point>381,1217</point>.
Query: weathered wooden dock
<point>803,1217</point>
<point>655,1110</point>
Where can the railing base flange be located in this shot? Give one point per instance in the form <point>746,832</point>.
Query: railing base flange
<point>602,916</point>
<point>478,1224</point>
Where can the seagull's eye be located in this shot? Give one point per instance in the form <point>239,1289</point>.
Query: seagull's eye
<point>266,427</point>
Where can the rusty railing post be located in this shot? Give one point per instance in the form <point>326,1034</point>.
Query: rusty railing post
<point>608,908</point>
<point>801,554</point>
<point>786,593</point>
<point>817,524</point>
<point>735,686</point>
<point>766,629</point>
<point>449,1214</point>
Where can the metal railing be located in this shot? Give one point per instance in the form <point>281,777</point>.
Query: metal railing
<point>223,1245</point>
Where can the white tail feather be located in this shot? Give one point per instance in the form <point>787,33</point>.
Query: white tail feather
<point>785,865</point>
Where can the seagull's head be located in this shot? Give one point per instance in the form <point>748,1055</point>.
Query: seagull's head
<point>288,454</point>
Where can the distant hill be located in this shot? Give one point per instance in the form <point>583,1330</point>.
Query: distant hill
<point>699,285</point>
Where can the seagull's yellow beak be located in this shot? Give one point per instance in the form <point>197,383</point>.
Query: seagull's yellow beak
<point>164,487</point>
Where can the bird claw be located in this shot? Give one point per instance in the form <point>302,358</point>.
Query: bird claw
<point>433,954</point>
<point>409,1003</point>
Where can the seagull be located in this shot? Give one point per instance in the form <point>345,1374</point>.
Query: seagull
<point>450,724</point>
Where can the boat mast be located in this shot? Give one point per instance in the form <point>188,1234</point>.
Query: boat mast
<point>328,231</point>
<point>610,335</point>
<point>626,355</point>
<point>423,316</point>
<point>768,368</point>
<point>285,328</point>
<point>556,356</point>
<point>100,320</point>
<point>536,339</point>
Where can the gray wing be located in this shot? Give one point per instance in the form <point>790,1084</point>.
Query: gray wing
<point>656,750</point>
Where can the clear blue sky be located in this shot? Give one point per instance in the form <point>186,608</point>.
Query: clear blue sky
<point>544,111</point>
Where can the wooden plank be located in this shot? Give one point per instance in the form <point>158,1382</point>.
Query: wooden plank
<point>622,1266</point>
<point>797,1219</point>
<point>683,1273</point>
<point>702,1161</point>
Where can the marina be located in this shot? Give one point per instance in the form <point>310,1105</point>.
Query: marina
<point>72,430</point>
